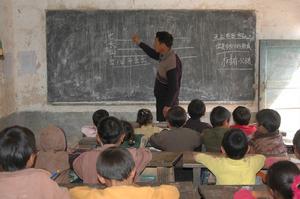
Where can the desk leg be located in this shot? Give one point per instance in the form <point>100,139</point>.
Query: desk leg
<point>165,175</point>
<point>197,176</point>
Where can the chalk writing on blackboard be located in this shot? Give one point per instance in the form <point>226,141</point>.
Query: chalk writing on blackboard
<point>233,50</point>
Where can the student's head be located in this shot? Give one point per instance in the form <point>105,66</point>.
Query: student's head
<point>176,116</point>
<point>129,133</point>
<point>163,41</point>
<point>110,131</point>
<point>241,115</point>
<point>235,144</point>
<point>115,166</point>
<point>296,144</point>
<point>98,115</point>
<point>144,117</point>
<point>219,116</point>
<point>268,120</point>
<point>17,148</point>
<point>280,178</point>
<point>196,109</point>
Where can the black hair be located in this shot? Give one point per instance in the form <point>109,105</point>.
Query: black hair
<point>176,116</point>
<point>235,144</point>
<point>165,37</point>
<point>268,118</point>
<point>144,117</point>
<point>281,176</point>
<point>218,115</point>
<point>17,144</point>
<point>241,115</point>
<point>98,115</point>
<point>109,130</point>
<point>115,163</point>
<point>129,132</point>
<point>296,141</point>
<point>196,109</point>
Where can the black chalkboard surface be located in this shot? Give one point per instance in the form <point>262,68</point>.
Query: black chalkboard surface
<point>90,56</point>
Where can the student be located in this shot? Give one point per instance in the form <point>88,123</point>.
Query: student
<point>234,168</point>
<point>241,116</point>
<point>145,121</point>
<point>283,180</point>
<point>296,144</point>
<point>116,169</point>
<point>91,130</point>
<point>110,133</point>
<point>19,180</point>
<point>267,140</point>
<point>53,156</point>
<point>196,110</point>
<point>131,139</point>
<point>212,138</point>
<point>177,138</point>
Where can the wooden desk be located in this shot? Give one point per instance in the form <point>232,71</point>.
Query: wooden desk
<point>165,162</point>
<point>189,162</point>
<point>186,189</point>
<point>227,191</point>
<point>87,143</point>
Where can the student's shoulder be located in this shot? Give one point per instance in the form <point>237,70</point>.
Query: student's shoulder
<point>256,157</point>
<point>90,154</point>
<point>36,173</point>
<point>169,190</point>
<point>83,191</point>
<point>207,156</point>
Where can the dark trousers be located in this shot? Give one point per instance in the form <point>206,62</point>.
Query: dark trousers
<point>160,104</point>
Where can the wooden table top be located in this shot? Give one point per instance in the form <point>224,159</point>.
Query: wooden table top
<point>164,159</point>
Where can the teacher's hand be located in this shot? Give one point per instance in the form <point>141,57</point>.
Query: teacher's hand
<point>165,110</point>
<point>136,39</point>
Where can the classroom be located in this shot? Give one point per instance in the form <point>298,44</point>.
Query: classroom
<point>41,41</point>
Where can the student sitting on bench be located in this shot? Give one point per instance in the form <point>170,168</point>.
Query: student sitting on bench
<point>116,169</point>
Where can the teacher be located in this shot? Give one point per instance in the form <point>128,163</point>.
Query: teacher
<point>169,72</point>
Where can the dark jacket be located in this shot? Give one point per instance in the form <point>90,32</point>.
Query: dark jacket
<point>176,140</point>
<point>197,125</point>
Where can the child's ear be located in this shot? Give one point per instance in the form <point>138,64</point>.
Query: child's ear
<point>248,150</point>
<point>226,123</point>
<point>132,175</point>
<point>98,139</point>
<point>101,179</point>
<point>31,161</point>
<point>121,139</point>
<point>223,150</point>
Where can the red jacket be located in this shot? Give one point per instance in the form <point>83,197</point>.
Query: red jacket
<point>247,129</point>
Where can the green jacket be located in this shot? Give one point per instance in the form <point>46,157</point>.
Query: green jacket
<point>212,138</point>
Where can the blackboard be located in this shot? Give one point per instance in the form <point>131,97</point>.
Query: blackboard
<point>90,56</point>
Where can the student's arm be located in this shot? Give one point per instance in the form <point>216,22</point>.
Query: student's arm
<point>208,160</point>
<point>172,86</point>
<point>257,162</point>
<point>141,157</point>
<point>78,164</point>
<point>52,190</point>
<point>149,51</point>
<point>157,140</point>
